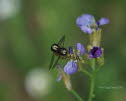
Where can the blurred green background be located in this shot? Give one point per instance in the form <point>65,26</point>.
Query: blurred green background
<point>27,30</point>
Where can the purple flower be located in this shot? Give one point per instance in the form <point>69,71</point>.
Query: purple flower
<point>86,29</point>
<point>71,67</point>
<point>85,22</point>
<point>95,52</point>
<point>80,48</point>
<point>88,24</point>
<point>102,21</point>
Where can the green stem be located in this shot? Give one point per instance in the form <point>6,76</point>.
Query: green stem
<point>91,93</point>
<point>86,72</point>
<point>92,81</point>
<point>76,95</point>
<point>93,64</point>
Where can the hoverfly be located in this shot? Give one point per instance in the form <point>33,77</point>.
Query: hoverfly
<point>58,50</point>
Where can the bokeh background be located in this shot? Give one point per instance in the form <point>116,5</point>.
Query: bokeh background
<point>27,30</point>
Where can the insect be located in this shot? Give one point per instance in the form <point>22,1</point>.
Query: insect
<point>58,50</point>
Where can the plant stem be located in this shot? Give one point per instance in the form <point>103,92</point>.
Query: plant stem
<point>92,81</point>
<point>86,72</point>
<point>76,95</point>
<point>93,64</point>
<point>92,85</point>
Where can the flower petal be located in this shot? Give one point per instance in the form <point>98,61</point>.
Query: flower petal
<point>85,20</point>
<point>95,52</point>
<point>80,48</point>
<point>86,29</point>
<point>71,67</point>
<point>102,21</point>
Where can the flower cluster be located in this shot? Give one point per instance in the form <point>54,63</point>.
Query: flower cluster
<point>80,55</point>
<point>89,25</point>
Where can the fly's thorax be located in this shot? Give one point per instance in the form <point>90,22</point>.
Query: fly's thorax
<point>62,51</point>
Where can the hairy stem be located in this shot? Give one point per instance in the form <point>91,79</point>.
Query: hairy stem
<point>76,95</point>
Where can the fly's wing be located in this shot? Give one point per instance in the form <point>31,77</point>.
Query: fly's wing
<point>56,62</point>
<point>52,60</point>
<point>52,64</point>
<point>59,43</point>
<point>61,40</point>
